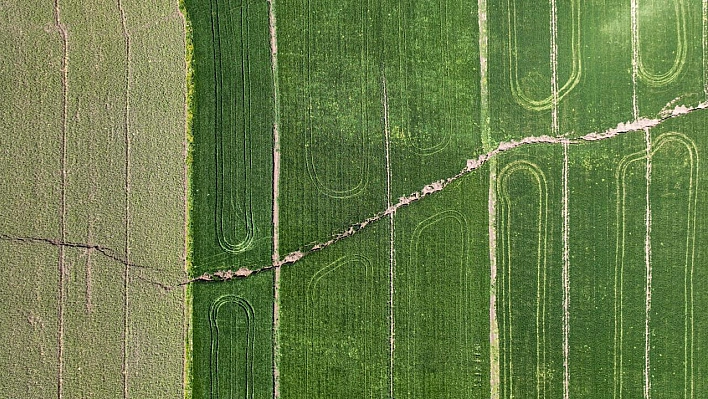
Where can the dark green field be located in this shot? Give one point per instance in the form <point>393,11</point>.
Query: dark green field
<point>232,162</point>
<point>557,270</point>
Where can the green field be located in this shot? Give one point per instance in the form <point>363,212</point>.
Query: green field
<point>487,199</point>
<point>556,270</point>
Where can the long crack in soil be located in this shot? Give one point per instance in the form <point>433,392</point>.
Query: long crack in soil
<point>668,113</point>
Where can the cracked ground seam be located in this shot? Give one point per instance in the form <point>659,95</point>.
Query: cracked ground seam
<point>103,250</point>
<point>472,164</point>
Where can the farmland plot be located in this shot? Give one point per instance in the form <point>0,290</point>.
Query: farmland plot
<point>333,163</point>
<point>86,196</point>
<point>565,267</point>
<point>232,126</point>
<point>440,295</point>
<point>334,324</point>
<point>529,300</point>
<point>616,313</point>
<point>364,96</point>
<point>431,70</point>
<point>232,345</point>
<point>30,365</point>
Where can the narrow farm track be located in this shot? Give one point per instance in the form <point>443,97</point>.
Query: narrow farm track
<point>62,212</point>
<point>128,142</point>
<point>273,31</point>
<point>392,236</point>
<point>484,123</point>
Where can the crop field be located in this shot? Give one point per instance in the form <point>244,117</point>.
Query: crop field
<point>560,257</point>
<point>93,185</point>
<point>354,199</point>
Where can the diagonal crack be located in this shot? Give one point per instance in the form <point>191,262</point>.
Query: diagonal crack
<point>472,164</point>
<point>103,250</point>
<point>436,186</point>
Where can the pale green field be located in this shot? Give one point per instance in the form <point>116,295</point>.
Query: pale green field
<point>93,184</point>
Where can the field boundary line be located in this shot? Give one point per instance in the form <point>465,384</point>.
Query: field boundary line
<point>186,172</point>
<point>392,233</point>
<point>439,185</point>
<point>555,128</point>
<point>637,73</point>
<point>554,69</point>
<point>704,40</point>
<point>128,142</point>
<point>64,34</point>
<point>635,57</point>
<point>566,276</point>
<point>105,251</point>
<point>273,33</point>
<point>494,368</point>
<point>647,263</point>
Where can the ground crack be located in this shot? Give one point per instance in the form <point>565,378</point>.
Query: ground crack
<point>103,250</point>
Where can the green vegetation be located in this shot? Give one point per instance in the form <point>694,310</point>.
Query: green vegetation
<point>231,169</point>
<point>530,283</point>
<point>556,269</point>
<point>344,69</point>
<point>335,321</point>
<point>232,165</point>
<point>431,66</point>
<point>232,342</point>
<point>679,197</point>
<point>593,51</point>
<point>332,127</point>
<point>441,294</point>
